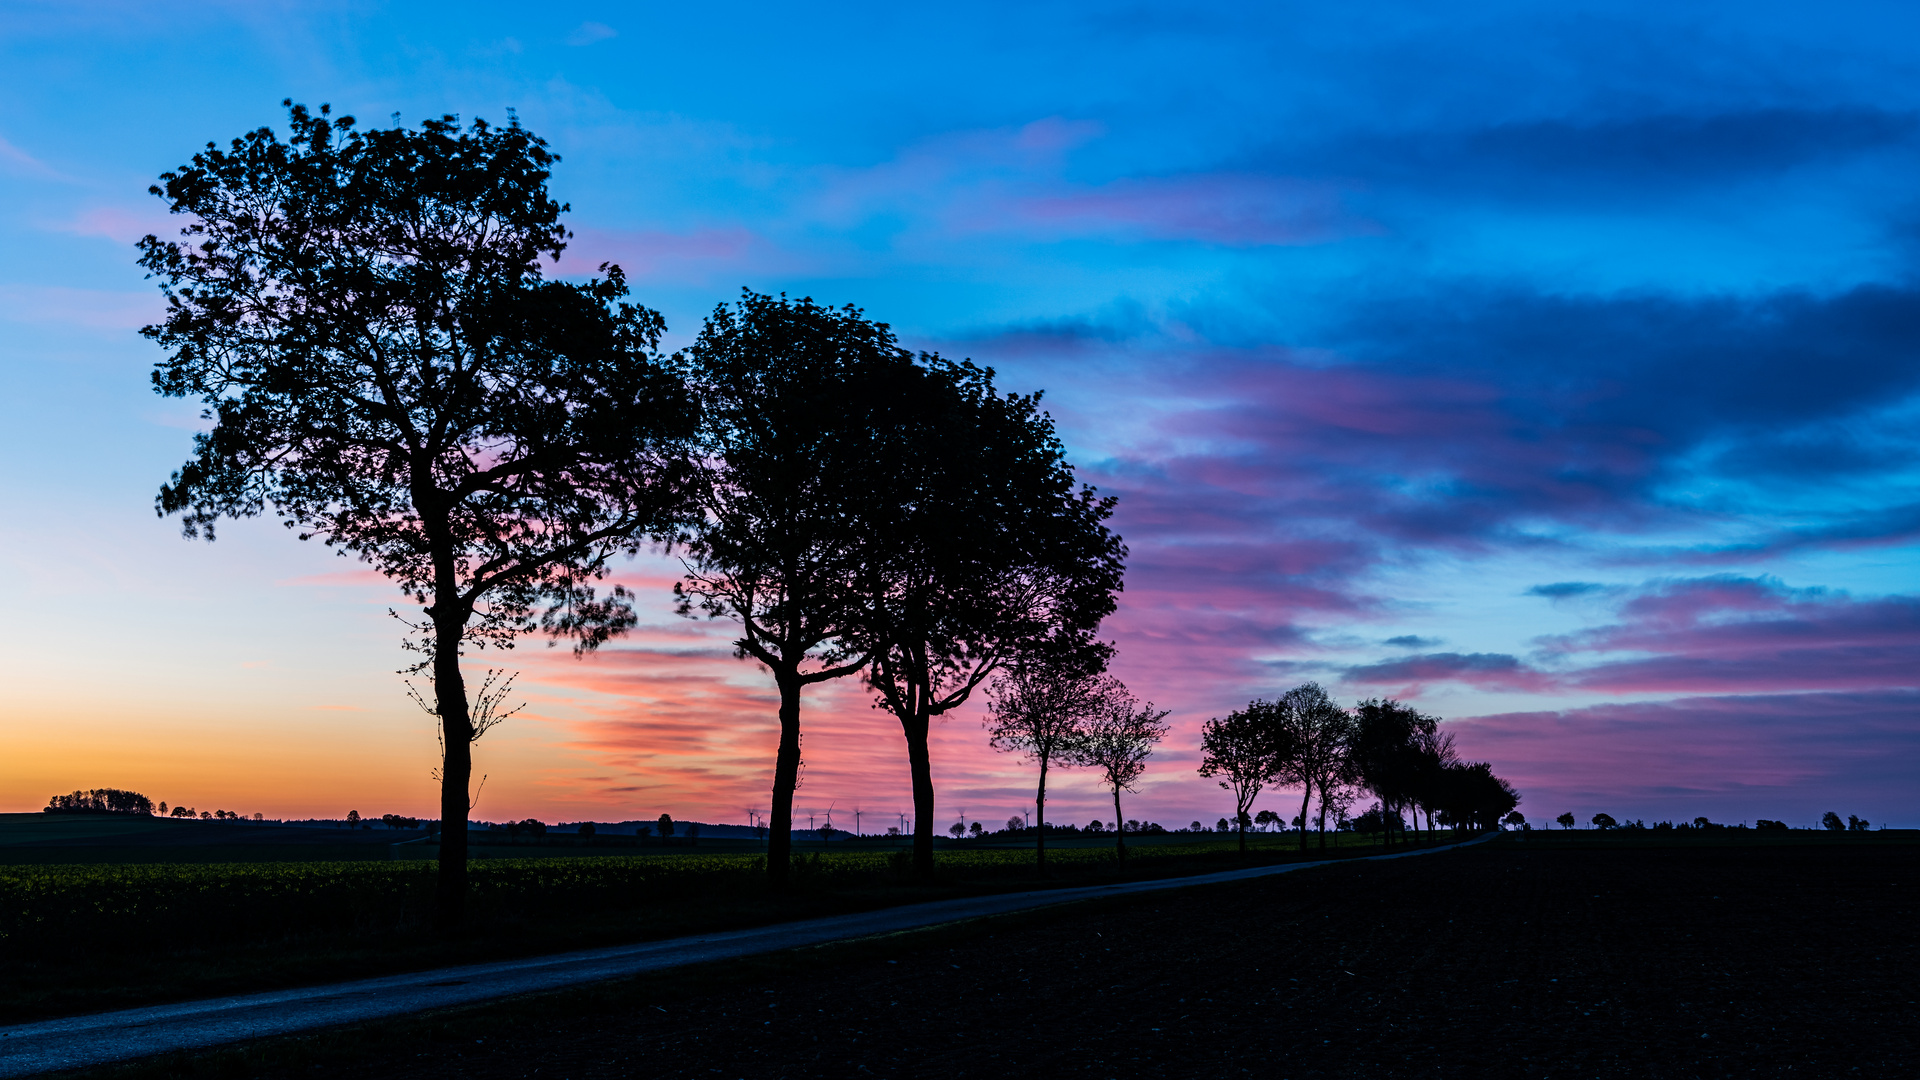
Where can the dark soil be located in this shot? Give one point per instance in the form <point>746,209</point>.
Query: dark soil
<point>1694,960</point>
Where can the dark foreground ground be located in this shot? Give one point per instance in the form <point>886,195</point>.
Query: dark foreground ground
<point>1510,960</point>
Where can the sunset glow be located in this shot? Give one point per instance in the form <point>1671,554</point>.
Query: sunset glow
<point>1568,391</point>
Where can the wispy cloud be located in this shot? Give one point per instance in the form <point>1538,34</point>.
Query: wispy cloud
<point>587,33</point>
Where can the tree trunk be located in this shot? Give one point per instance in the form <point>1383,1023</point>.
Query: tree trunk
<point>456,771</point>
<point>921,764</point>
<point>786,778</point>
<point>1305,798</point>
<point>1040,820</point>
<point>1119,828</point>
<point>1240,823</point>
<point>1320,822</point>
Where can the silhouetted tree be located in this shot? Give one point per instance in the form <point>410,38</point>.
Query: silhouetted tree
<point>1604,822</point>
<point>1857,824</point>
<point>1041,708</point>
<point>1831,822</point>
<point>1376,819</point>
<point>664,826</point>
<point>103,801</point>
<point>1120,738</point>
<point>992,554</point>
<point>799,405</point>
<point>363,314</point>
<point>1472,797</point>
<point>1566,821</point>
<point>1320,734</point>
<point>1245,752</point>
<point>1433,756</point>
<point>1386,752</point>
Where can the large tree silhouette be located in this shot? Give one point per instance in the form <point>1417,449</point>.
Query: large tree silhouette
<point>800,406</point>
<point>1320,733</point>
<point>1386,752</point>
<point>993,553</point>
<point>362,313</point>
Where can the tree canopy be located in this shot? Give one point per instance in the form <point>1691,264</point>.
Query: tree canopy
<point>993,553</point>
<point>363,314</point>
<point>1245,752</point>
<point>1118,741</point>
<point>1041,709</point>
<point>801,407</point>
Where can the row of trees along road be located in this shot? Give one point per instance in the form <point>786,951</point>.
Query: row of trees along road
<point>383,366</point>
<point>1398,754</point>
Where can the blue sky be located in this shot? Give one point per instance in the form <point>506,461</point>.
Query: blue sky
<point>1554,367</point>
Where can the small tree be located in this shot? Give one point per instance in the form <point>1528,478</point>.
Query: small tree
<point>1120,738</point>
<point>664,825</point>
<point>1014,824</point>
<point>1245,752</point>
<point>363,315</point>
<point>1857,824</point>
<point>1041,709</point>
<point>1604,822</point>
<point>1567,821</point>
<point>1831,822</point>
<point>353,819</point>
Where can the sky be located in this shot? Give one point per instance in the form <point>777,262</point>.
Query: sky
<point>1554,368</point>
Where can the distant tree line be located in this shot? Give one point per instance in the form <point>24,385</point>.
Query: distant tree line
<point>1380,747</point>
<point>101,801</point>
<point>116,801</point>
<point>1606,822</point>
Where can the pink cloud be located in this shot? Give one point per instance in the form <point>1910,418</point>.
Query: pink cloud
<point>1221,208</point>
<point>123,224</point>
<point>1788,756</point>
<point>21,163</point>
<point>701,255</point>
<point>1712,635</point>
<point>91,309</point>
